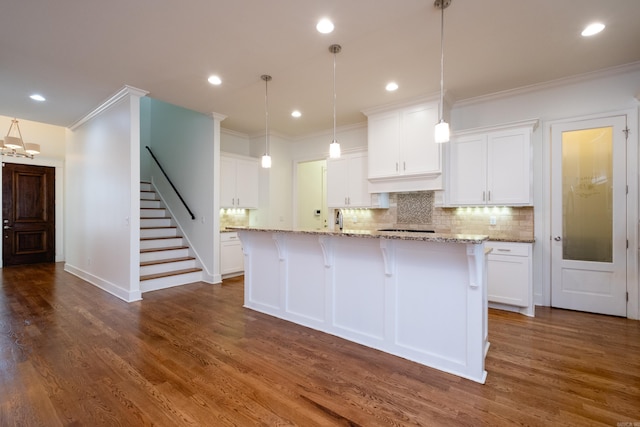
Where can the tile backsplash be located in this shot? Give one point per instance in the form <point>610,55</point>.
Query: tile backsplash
<point>418,210</point>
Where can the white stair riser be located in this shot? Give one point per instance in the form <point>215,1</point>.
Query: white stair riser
<point>145,186</point>
<point>158,232</point>
<point>148,195</point>
<point>150,204</point>
<point>167,267</point>
<point>170,281</point>
<point>153,213</point>
<point>160,255</point>
<point>161,243</point>
<point>155,222</point>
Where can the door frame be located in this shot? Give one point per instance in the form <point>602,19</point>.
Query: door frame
<point>59,198</point>
<point>632,161</point>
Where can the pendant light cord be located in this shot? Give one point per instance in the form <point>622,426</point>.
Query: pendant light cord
<point>334,95</point>
<point>266,116</point>
<point>442,60</point>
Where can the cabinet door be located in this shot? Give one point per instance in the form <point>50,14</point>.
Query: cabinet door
<point>508,279</point>
<point>509,167</point>
<point>467,179</point>
<point>337,182</point>
<point>231,256</point>
<point>384,139</point>
<point>419,153</point>
<point>247,183</point>
<point>358,196</point>
<point>227,182</point>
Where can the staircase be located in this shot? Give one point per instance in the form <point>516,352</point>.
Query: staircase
<point>165,260</point>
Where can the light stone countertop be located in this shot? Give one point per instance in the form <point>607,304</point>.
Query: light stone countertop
<point>400,235</point>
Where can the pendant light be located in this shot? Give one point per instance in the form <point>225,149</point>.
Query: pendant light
<point>442,127</point>
<point>13,145</point>
<point>334,147</point>
<point>266,159</point>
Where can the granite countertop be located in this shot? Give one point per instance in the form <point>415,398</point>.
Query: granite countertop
<point>511,239</point>
<point>400,235</point>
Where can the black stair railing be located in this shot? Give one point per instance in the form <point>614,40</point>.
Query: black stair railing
<point>171,183</point>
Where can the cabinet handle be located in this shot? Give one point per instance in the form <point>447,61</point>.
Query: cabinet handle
<point>404,166</point>
<point>348,200</point>
<point>504,250</point>
<point>489,198</point>
<point>483,195</point>
<point>396,166</point>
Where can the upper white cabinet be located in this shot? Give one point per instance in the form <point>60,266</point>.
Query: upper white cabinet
<point>347,185</point>
<point>403,155</point>
<point>491,166</point>
<point>238,182</point>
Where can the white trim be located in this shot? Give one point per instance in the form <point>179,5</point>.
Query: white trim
<point>531,123</point>
<point>113,289</point>
<point>593,75</point>
<point>404,104</point>
<point>121,94</point>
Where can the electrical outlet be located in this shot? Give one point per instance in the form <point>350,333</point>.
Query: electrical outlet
<point>492,220</point>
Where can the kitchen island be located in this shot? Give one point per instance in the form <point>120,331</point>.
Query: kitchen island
<point>420,296</point>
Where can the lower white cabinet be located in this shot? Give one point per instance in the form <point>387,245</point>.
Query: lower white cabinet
<point>509,276</point>
<point>231,256</point>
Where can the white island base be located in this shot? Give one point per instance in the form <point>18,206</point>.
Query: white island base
<point>420,299</point>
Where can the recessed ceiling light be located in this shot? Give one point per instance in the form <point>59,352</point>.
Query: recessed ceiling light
<point>214,80</point>
<point>324,26</point>
<point>391,86</point>
<point>296,114</point>
<point>592,29</point>
<point>37,97</point>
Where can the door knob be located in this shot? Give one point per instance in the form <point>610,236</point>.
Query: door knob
<point>557,238</point>
<point>6,227</point>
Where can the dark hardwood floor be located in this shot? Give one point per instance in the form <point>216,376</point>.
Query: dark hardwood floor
<point>71,354</point>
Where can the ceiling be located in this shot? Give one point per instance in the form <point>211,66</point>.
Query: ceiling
<point>78,54</point>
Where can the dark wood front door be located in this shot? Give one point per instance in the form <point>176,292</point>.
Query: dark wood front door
<point>28,214</point>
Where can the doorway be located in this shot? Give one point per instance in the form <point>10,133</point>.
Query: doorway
<point>588,217</point>
<point>311,209</point>
<point>28,214</point>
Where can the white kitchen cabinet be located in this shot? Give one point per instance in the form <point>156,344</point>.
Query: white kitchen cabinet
<point>491,167</point>
<point>403,155</point>
<point>510,276</point>
<point>238,182</point>
<point>231,255</point>
<point>347,185</point>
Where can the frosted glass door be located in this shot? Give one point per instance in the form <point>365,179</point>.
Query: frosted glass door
<point>588,186</point>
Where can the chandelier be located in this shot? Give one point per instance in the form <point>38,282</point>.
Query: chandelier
<point>13,145</point>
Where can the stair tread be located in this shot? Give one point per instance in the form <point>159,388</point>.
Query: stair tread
<point>158,228</point>
<point>166,261</point>
<point>166,248</point>
<point>169,273</point>
<point>151,209</point>
<point>155,217</point>
<point>159,238</point>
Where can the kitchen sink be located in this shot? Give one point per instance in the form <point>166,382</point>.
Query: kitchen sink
<point>407,230</point>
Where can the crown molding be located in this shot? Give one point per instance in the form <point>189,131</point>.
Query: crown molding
<point>578,78</point>
<point>329,132</point>
<point>217,116</point>
<point>109,102</point>
<point>408,102</point>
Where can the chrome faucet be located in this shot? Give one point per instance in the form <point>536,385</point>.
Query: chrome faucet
<point>339,222</point>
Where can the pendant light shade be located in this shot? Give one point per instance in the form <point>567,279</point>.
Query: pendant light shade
<point>266,158</point>
<point>13,145</point>
<point>334,147</point>
<point>442,128</point>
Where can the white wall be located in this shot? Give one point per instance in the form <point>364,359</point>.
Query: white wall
<point>276,184</point>
<point>52,141</point>
<point>603,92</point>
<point>183,142</point>
<point>316,147</point>
<point>102,200</point>
<point>235,142</point>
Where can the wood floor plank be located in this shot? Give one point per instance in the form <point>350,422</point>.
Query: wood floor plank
<point>71,354</point>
